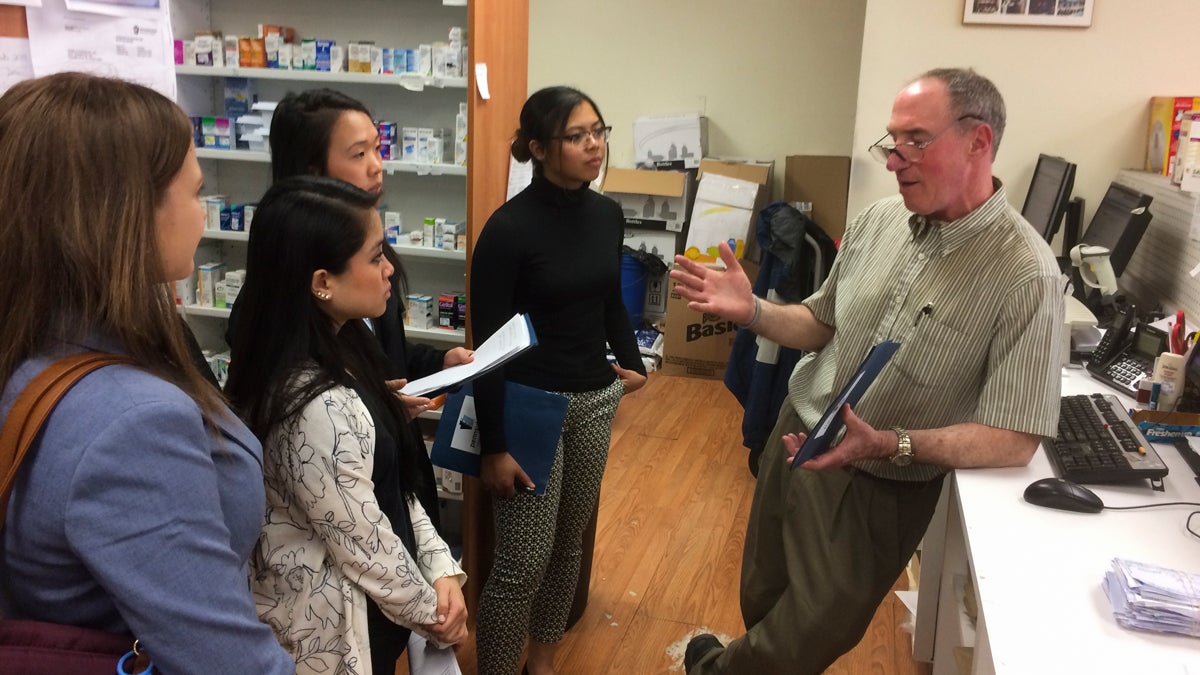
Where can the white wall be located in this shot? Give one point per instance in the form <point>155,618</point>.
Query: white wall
<point>1082,93</point>
<point>774,77</point>
<point>778,78</point>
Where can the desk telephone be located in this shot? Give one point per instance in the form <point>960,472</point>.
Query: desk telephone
<point>1123,359</point>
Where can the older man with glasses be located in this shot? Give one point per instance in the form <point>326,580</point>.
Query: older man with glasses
<point>954,274</point>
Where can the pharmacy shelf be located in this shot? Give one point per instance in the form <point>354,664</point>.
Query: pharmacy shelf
<point>227,235</point>
<point>393,166</point>
<point>440,334</point>
<point>197,310</point>
<point>390,166</point>
<point>234,155</point>
<point>429,252</point>
<point>409,81</point>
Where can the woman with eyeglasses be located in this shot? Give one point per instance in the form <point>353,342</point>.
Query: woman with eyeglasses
<point>553,252</point>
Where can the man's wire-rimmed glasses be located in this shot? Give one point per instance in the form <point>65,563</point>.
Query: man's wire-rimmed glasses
<point>910,151</point>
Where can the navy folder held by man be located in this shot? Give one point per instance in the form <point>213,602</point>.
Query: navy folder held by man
<point>822,437</point>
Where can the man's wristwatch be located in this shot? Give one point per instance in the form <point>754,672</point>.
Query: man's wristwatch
<point>904,452</point>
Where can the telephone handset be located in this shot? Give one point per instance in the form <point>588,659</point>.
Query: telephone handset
<point>1122,360</point>
<point>1116,338</point>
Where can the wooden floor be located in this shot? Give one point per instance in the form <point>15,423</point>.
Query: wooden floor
<point>672,521</point>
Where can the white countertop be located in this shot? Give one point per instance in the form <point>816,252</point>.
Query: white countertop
<point>1038,571</point>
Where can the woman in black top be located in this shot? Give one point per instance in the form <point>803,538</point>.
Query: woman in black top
<point>322,132</point>
<point>553,252</point>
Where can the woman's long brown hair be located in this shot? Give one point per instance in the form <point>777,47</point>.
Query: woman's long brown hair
<point>84,162</point>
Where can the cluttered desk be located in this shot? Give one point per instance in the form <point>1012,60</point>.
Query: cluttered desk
<point>1040,569</point>
<point>1033,577</point>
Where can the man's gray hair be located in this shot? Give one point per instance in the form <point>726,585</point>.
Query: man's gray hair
<point>972,94</point>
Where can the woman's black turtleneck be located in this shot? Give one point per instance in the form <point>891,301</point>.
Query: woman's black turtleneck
<point>554,254</point>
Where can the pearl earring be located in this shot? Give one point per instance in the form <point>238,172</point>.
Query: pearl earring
<point>322,295</point>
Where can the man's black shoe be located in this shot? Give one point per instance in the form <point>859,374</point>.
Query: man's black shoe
<point>697,647</point>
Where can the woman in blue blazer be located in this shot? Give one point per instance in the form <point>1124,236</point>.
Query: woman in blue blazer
<point>136,510</point>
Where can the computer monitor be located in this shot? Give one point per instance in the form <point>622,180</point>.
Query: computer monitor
<point>1119,223</point>
<point>1049,192</point>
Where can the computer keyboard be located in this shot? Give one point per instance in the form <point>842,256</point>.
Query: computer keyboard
<point>1097,442</point>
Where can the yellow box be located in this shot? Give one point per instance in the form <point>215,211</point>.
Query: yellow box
<point>1162,135</point>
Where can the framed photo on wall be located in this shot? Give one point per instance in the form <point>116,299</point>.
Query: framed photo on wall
<point>1029,12</point>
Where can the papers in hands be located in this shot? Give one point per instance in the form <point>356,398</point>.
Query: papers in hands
<point>511,339</point>
<point>425,658</point>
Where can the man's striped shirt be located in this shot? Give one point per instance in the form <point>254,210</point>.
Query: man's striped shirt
<point>977,305</point>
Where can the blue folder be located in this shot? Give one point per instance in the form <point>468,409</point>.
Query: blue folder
<point>821,438</point>
<point>533,421</point>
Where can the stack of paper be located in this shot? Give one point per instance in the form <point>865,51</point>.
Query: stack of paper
<point>1152,598</point>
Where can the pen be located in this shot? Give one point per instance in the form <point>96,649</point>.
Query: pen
<point>927,310</point>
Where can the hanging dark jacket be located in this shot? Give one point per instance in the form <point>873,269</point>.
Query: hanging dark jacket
<point>796,258</point>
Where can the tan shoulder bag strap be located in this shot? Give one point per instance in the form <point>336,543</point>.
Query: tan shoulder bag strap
<point>34,405</point>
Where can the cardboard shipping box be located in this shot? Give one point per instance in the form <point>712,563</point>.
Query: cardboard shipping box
<point>651,200</point>
<point>823,180</point>
<point>670,142</point>
<point>695,344</point>
<point>755,171</point>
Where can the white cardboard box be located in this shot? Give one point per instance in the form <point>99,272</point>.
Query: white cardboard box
<point>724,211</point>
<point>755,171</point>
<point>653,200</point>
<point>670,142</point>
<point>185,290</point>
<point>661,244</point>
<point>421,311</point>
<point>207,276</point>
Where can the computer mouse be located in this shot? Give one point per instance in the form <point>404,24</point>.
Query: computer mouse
<point>1057,493</point>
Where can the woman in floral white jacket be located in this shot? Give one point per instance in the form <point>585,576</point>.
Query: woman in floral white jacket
<point>348,562</point>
